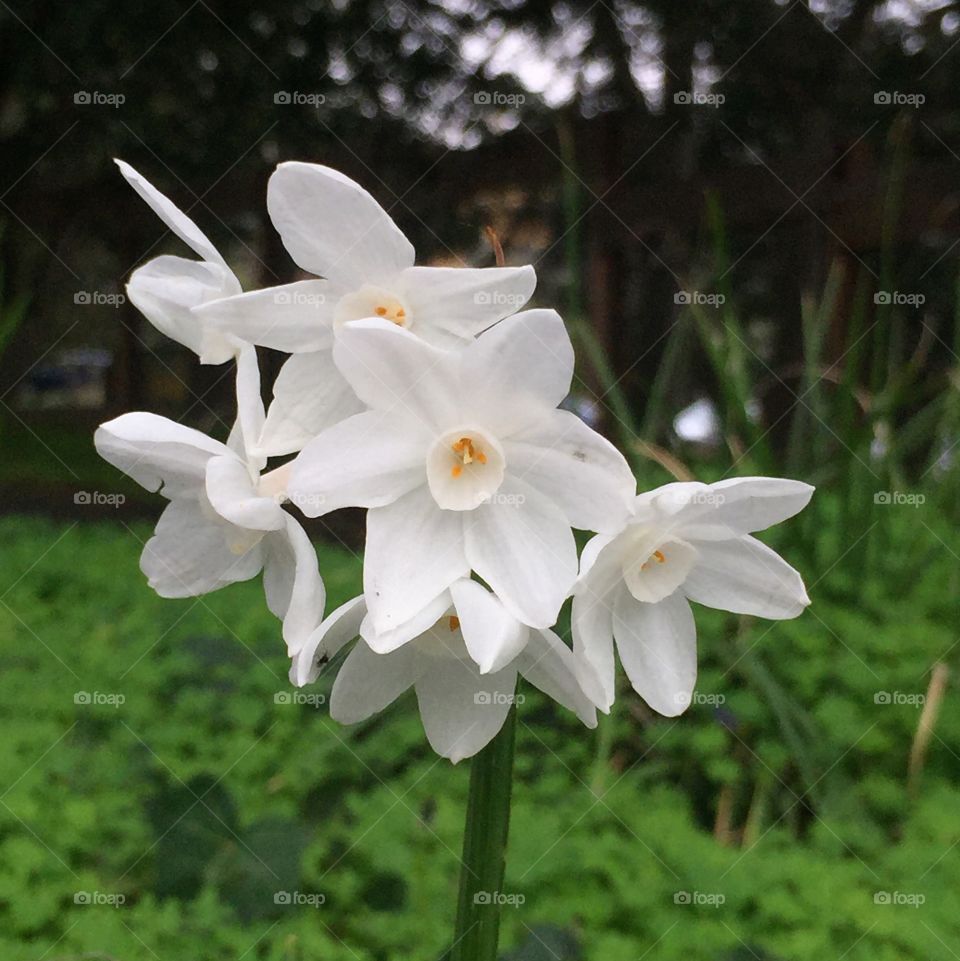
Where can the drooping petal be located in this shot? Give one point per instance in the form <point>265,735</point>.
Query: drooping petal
<point>171,215</point>
<point>333,228</point>
<point>462,709</point>
<point>158,453</point>
<point>367,460</point>
<point>294,318</point>
<point>657,644</point>
<point>591,621</point>
<point>580,471</point>
<point>548,664</point>
<point>414,552</point>
<point>325,641</point>
<point>493,636</point>
<point>292,583</point>
<point>194,552</point>
<point>522,546</point>
<point>392,370</point>
<point>387,641</point>
<point>309,395</point>
<point>369,682</point>
<point>166,289</point>
<point>740,505</point>
<point>232,494</point>
<point>465,300</point>
<point>250,413</point>
<point>516,371</point>
<point>746,577</point>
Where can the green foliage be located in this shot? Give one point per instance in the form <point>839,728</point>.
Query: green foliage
<point>202,797</point>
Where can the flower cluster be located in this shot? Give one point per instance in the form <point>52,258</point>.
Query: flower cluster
<point>430,397</point>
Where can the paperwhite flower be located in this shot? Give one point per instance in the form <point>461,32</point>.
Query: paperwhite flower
<point>465,465</point>
<point>684,542</point>
<point>461,655</point>
<point>333,228</point>
<point>224,522</point>
<point>166,288</point>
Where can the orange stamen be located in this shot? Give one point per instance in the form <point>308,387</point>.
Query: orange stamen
<point>454,622</point>
<point>659,556</point>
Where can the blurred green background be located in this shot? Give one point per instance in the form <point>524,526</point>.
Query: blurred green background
<point>749,214</point>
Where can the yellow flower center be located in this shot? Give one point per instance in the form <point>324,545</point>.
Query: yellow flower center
<point>391,311</point>
<point>467,452</point>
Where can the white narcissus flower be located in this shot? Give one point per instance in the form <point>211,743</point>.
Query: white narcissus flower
<point>333,228</point>
<point>465,464</point>
<point>224,522</point>
<point>684,542</point>
<point>461,655</point>
<point>166,288</point>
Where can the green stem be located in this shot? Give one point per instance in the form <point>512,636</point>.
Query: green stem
<point>485,848</point>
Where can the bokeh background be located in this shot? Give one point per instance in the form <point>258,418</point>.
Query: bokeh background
<point>748,212</point>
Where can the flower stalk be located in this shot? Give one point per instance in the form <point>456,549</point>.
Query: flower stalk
<point>485,848</point>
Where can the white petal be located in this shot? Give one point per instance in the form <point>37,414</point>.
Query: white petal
<point>368,682</point>
<point>326,640</point>
<point>250,415</point>
<point>739,505</point>
<point>170,214</point>
<point>465,300</point>
<point>591,620</point>
<point>292,583</point>
<point>462,710</point>
<point>387,641</point>
<point>309,395</point>
<point>367,460</point>
<point>657,644</point>
<point>414,552</point>
<point>232,494</point>
<point>332,227</point>
<point>190,552</point>
<point>746,577</point>
<point>294,318</point>
<point>580,471</point>
<point>392,370</point>
<point>166,289</point>
<point>548,664</point>
<point>157,452</point>
<point>518,369</point>
<point>522,546</point>
<point>492,635</point>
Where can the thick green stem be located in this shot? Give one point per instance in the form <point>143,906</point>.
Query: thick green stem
<point>485,848</point>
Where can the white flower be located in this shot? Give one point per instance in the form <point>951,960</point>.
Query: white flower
<point>333,228</point>
<point>461,655</point>
<point>465,465</point>
<point>166,288</point>
<point>684,542</point>
<point>224,522</point>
